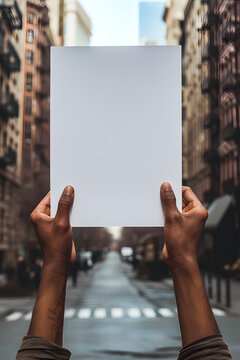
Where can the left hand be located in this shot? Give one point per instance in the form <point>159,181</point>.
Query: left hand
<point>55,234</point>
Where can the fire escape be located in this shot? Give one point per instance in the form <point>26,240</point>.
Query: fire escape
<point>209,87</point>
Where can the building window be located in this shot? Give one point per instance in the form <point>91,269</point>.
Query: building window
<point>29,57</point>
<point>31,17</point>
<point>4,139</point>
<point>30,36</point>
<point>2,189</point>
<point>29,82</point>
<point>2,224</point>
<point>27,131</point>
<point>28,106</point>
<point>27,158</point>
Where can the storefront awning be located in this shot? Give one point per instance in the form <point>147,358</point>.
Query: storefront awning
<point>216,210</point>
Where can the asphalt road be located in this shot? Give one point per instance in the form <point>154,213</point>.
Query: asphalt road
<point>109,316</point>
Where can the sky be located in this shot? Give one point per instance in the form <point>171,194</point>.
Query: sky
<point>116,22</point>
<point>151,24</point>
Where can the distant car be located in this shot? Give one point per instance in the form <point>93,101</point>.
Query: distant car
<point>127,253</point>
<point>85,260</point>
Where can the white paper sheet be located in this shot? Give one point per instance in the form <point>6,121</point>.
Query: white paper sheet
<point>116,132</point>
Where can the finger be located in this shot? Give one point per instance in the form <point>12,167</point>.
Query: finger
<point>44,205</point>
<point>168,199</point>
<point>183,204</point>
<point>64,206</point>
<point>189,196</point>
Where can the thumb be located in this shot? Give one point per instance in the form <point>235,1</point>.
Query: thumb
<point>64,206</point>
<point>168,199</point>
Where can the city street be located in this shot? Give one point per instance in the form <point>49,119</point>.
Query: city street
<point>109,315</point>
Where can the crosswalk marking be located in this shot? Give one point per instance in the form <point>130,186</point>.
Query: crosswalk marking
<point>100,313</point>
<point>28,316</point>
<point>117,313</point>
<point>218,312</point>
<point>84,313</point>
<point>69,313</point>
<point>165,312</point>
<point>14,316</point>
<point>149,313</point>
<point>134,313</point>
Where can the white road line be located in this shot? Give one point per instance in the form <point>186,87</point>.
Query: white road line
<point>28,316</point>
<point>14,316</point>
<point>69,313</point>
<point>134,313</point>
<point>117,313</point>
<point>165,312</point>
<point>84,313</point>
<point>149,313</point>
<point>100,313</point>
<point>218,312</point>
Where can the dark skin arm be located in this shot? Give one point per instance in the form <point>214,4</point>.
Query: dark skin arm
<point>182,233</point>
<point>55,239</point>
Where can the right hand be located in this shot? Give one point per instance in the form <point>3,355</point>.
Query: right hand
<point>182,232</point>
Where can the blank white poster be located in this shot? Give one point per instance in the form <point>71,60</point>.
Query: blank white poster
<point>116,132</point>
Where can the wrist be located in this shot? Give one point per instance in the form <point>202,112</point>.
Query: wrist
<point>187,266</point>
<point>56,268</point>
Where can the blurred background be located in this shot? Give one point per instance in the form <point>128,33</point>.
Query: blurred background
<point>119,273</point>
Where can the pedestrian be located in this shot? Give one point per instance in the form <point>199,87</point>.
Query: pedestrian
<point>22,271</point>
<point>37,269</point>
<point>201,338</point>
<point>74,273</point>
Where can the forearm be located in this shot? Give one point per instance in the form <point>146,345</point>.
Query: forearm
<point>48,314</point>
<point>195,315</point>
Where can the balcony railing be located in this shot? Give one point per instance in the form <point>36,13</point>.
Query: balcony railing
<point>11,13</point>
<point>230,82</point>
<point>8,157</point>
<point>230,30</point>
<point>211,119</point>
<point>43,18</point>
<point>44,67</point>
<point>209,195</point>
<point>231,132</point>
<point>209,19</point>
<point>44,90</point>
<point>41,142</point>
<point>43,116</point>
<point>9,107</point>
<point>228,186</point>
<point>10,59</point>
<point>210,155</point>
<point>209,84</point>
<point>209,51</point>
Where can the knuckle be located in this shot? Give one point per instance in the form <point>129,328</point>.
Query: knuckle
<point>173,217</point>
<point>62,226</point>
<point>33,217</point>
<point>203,213</point>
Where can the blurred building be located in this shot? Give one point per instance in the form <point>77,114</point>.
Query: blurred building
<point>210,91</point>
<point>77,25</point>
<point>11,42</point>
<point>56,20</point>
<point>173,15</point>
<point>229,98</point>
<point>195,170</point>
<point>36,112</point>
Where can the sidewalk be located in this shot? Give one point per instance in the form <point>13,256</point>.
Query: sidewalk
<point>153,291</point>
<point>235,294</point>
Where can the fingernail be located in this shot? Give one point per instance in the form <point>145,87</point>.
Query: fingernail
<point>68,190</point>
<point>166,187</point>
